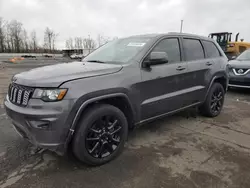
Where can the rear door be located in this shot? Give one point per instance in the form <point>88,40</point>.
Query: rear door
<point>198,68</point>
<point>214,59</point>
<point>163,85</point>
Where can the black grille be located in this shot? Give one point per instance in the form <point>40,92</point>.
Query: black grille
<point>241,72</point>
<point>19,95</point>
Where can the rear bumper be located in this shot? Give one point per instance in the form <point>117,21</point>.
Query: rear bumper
<point>41,124</point>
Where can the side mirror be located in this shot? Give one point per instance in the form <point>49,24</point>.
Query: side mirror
<point>156,58</point>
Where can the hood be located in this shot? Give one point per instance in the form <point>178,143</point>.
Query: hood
<point>240,64</point>
<point>55,75</point>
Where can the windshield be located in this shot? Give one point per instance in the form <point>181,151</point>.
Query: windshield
<point>119,51</point>
<point>244,56</point>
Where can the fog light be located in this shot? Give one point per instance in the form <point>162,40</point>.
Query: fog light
<point>40,124</point>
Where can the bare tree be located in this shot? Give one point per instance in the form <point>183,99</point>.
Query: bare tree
<point>69,43</point>
<point>104,39</point>
<point>89,43</point>
<point>78,42</point>
<point>54,41</point>
<point>15,38</point>
<point>2,35</point>
<point>15,32</point>
<point>49,39</point>
<point>8,39</point>
<point>25,41</point>
<point>33,41</point>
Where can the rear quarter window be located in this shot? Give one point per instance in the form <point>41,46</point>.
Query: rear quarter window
<point>211,50</point>
<point>193,49</point>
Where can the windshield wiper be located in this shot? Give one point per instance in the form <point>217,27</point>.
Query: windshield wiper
<point>95,61</point>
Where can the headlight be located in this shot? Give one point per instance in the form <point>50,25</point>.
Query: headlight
<point>49,95</point>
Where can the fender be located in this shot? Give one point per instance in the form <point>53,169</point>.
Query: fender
<point>219,75</point>
<point>85,104</point>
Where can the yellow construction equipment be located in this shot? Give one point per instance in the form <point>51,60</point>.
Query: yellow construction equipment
<point>231,48</point>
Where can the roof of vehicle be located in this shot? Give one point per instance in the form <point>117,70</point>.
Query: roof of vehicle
<point>220,33</point>
<point>189,35</point>
<point>159,35</point>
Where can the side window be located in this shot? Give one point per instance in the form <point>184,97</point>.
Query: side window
<point>211,49</point>
<point>193,49</point>
<point>172,47</point>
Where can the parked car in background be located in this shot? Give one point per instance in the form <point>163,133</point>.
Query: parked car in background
<point>88,107</point>
<point>76,56</point>
<point>48,56</point>
<point>239,71</point>
<point>28,56</point>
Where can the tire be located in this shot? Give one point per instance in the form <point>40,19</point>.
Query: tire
<point>91,139</point>
<point>209,108</point>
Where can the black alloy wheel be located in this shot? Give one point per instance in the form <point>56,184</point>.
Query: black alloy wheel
<point>104,136</point>
<point>101,134</point>
<point>217,100</point>
<point>214,101</point>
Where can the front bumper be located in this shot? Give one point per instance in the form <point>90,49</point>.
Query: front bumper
<point>240,81</point>
<point>43,124</point>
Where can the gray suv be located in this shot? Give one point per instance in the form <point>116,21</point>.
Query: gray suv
<point>88,107</point>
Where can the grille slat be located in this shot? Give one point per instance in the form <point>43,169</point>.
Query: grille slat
<point>12,93</point>
<point>26,98</point>
<point>20,95</point>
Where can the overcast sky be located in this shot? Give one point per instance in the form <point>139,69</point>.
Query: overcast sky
<point>71,18</point>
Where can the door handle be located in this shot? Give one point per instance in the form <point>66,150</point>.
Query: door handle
<point>180,68</point>
<point>209,63</point>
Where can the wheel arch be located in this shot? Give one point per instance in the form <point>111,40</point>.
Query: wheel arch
<point>221,78</point>
<point>119,100</point>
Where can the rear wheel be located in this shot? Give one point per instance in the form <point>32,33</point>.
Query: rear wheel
<point>101,135</point>
<point>214,101</point>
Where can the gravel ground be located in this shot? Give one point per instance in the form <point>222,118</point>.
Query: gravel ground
<point>182,151</point>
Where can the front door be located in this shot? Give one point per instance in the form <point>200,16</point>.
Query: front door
<point>163,85</point>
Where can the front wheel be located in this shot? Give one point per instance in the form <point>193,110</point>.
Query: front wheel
<point>101,135</point>
<point>214,101</point>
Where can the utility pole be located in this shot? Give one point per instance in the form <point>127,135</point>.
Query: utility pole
<point>181,26</point>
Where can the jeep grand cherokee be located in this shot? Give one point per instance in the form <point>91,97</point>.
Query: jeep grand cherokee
<point>89,106</point>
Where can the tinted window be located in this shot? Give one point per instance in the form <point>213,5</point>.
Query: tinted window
<point>211,49</point>
<point>244,56</point>
<point>171,47</point>
<point>193,49</point>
